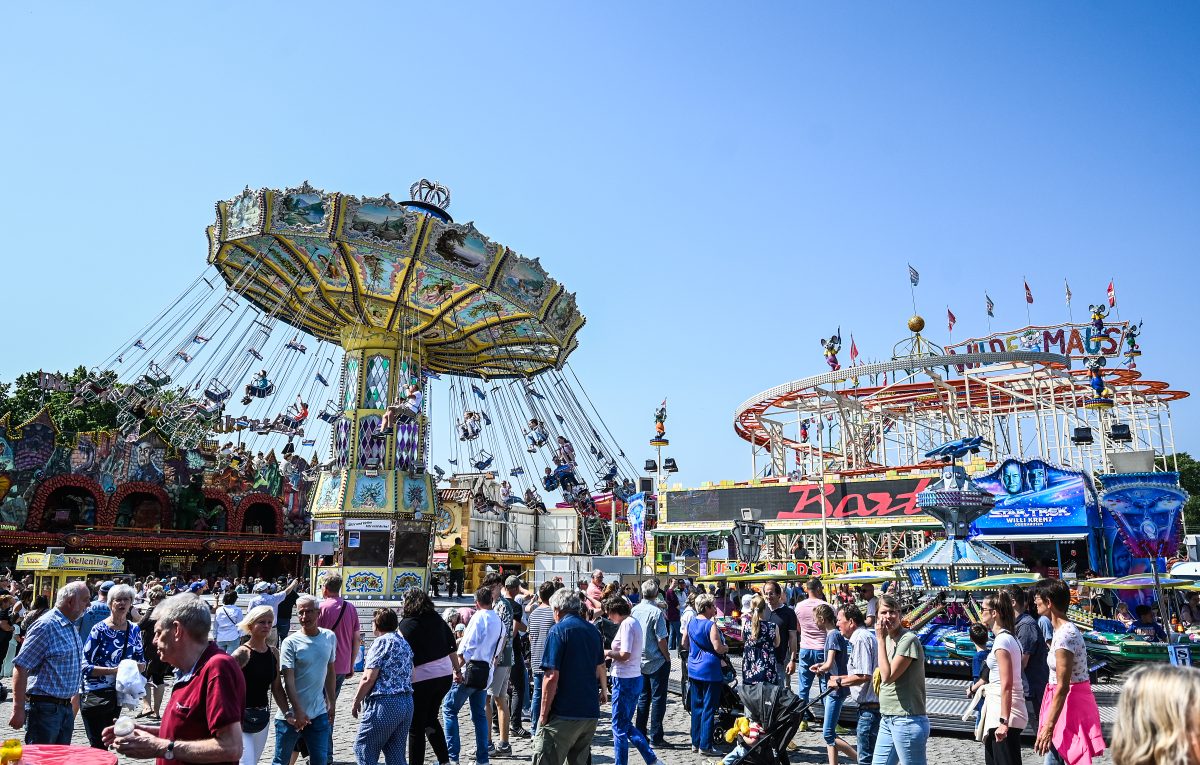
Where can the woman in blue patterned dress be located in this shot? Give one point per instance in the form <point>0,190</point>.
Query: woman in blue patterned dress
<point>109,642</point>
<point>385,696</point>
<point>760,639</point>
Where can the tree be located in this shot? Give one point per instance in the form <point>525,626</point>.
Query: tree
<point>1189,479</point>
<point>23,399</point>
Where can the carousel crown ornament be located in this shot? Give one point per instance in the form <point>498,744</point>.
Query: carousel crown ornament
<point>1102,395</point>
<point>430,193</point>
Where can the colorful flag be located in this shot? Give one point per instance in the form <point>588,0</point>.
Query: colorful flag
<point>1068,285</point>
<point>991,307</point>
<point>913,277</point>
<point>1028,294</point>
<point>950,319</point>
<point>853,350</point>
<point>478,392</point>
<point>1112,295</point>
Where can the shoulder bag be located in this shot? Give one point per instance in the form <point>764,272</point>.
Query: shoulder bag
<point>477,671</point>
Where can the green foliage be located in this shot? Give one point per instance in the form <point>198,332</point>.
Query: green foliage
<point>22,399</point>
<point>1189,479</point>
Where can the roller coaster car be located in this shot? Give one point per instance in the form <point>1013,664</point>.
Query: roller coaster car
<point>483,460</point>
<point>217,391</point>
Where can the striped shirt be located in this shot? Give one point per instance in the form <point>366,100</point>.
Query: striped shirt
<point>52,654</point>
<point>541,619</point>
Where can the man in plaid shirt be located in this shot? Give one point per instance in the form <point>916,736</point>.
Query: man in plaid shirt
<point>48,671</point>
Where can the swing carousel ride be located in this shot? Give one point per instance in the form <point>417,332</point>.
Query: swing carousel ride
<point>326,322</point>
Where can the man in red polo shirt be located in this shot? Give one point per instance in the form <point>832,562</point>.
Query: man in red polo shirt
<point>203,719</point>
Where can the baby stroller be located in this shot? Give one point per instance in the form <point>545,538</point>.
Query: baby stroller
<point>778,711</point>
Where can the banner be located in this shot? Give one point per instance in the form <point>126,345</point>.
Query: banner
<point>1147,509</point>
<point>1036,497</point>
<point>635,514</point>
<point>891,498</point>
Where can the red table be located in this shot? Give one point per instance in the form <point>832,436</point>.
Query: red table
<point>54,754</point>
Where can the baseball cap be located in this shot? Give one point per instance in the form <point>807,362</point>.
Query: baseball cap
<point>262,587</point>
<point>108,585</point>
<point>512,581</point>
<point>460,628</point>
<point>196,586</point>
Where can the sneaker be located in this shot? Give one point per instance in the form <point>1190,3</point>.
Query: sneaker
<point>804,726</point>
<point>842,730</point>
<point>662,743</point>
<point>503,749</point>
<point>710,753</point>
<point>520,733</point>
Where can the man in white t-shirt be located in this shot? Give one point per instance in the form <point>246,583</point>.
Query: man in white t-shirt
<point>626,656</point>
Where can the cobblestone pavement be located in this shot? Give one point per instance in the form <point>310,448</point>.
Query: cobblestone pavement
<point>943,749</point>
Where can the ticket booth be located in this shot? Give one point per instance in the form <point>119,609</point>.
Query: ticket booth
<point>52,570</point>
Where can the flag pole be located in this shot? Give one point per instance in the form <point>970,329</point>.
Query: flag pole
<point>1028,317</point>
<point>1070,310</point>
<point>989,313</point>
<point>1116,306</point>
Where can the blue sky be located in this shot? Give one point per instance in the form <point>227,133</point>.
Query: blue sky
<point>722,184</point>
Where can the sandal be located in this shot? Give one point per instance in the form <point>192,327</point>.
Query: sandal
<point>143,713</point>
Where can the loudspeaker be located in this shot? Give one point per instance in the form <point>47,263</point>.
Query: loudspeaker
<point>646,485</point>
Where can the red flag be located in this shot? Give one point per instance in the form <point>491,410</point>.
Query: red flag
<point>1112,295</point>
<point>1028,294</point>
<point>853,350</point>
<point>950,319</point>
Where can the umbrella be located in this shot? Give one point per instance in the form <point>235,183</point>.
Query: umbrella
<point>863,577</point>
<point>1136,582</point>
<point>997,582</point>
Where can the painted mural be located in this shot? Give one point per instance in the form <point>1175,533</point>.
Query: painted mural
<point>64,482</point>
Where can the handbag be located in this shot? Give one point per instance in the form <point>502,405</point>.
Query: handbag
<point>476,674</point>
<point>254,720</point>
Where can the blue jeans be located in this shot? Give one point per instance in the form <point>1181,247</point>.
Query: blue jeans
<point>833,711</point>
<point>706,694</point>
<point>317,736</point>
<point>809,657</point>
<point>535,706</point>
<point>459,695</point>
<point>901,739</point>
<point>673,635</point>
<point>868,731</point>
<point>47,723</point>
<point>625,693</point>
<point>653,702</point>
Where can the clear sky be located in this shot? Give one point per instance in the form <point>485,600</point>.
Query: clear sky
<point>722,184</point>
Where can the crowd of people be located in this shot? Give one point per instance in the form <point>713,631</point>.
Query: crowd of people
<point>553,657</point>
